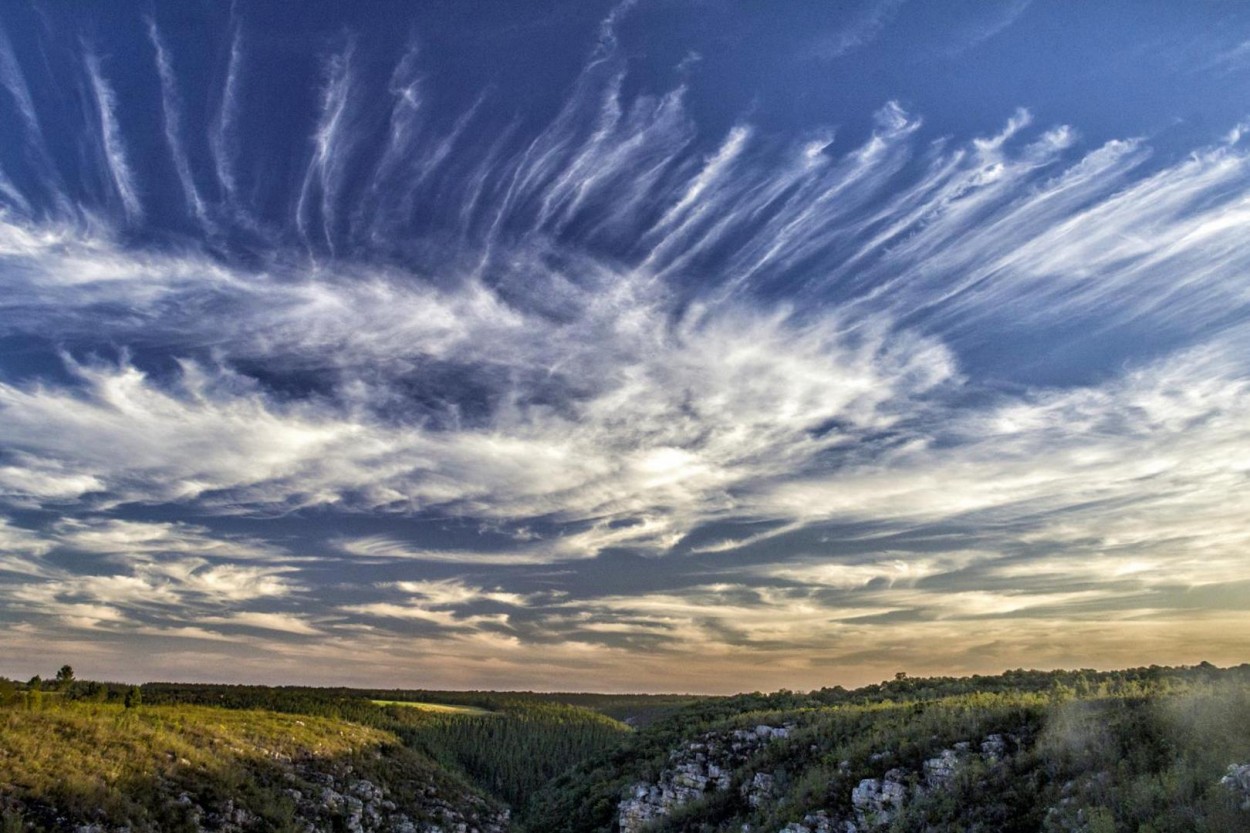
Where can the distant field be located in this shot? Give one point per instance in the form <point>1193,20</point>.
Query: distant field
<point>442,708</point>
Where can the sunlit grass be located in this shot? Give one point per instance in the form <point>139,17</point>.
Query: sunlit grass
<point>130,764</point>
<point>441,708</point>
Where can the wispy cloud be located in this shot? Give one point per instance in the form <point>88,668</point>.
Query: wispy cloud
<point>14,81</point>
<point>997,18</point>
<point>860,31</point>
<point>171,110</point>
<point>331,148</point>
<point>223,139</point>
<point>680,395</point>
<point>286,623</point>
<point>112,536</point>
<point>1231,59</point>
<point>12,194</point>
<point>382,548</point>
<point>112,144</point>
<point>444,604</point>
<point>153,576</point>
<point>52,182</point>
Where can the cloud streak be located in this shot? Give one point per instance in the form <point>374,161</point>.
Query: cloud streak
<point>171,110</point>
<point>330,153</point>
<point>861,31</point>
<point>112,145</point>
<point>222,137</point>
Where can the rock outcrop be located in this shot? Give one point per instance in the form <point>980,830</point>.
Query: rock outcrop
<point>325,800</point>
<point>760,789</point>
<point>695,770</point>
<point>1237,781</point>
<point>876,802</point>
<point>362,806</point>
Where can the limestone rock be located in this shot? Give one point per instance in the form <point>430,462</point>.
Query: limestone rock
<point>697,769</point>
<point>760,789</point>
<point>994,748</point>
<point>1237,780</point>
<point>939,770</point>
<point>877,800</point>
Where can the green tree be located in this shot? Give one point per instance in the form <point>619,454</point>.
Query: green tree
<point>98,693</point>
<point>8,692</point>
<point>64,677</point>
<point>134,697</point>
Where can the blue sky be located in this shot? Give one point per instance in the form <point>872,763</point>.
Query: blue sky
<point>695,346</point>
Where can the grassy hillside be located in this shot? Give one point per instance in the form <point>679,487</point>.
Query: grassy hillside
<point>176,768</point>
<point>1142,751</point>
<point>438,708</point>
<point>508,744</point>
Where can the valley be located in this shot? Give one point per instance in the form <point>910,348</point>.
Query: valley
<point>1147,749</point>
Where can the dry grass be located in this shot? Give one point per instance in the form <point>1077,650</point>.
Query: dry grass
<point>104,760</point>
<point>440,708</point>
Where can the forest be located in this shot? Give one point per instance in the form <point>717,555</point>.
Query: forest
<point>1149,750</point>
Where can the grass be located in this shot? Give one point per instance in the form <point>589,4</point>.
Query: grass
<point>93,761</point>
<point>441,708</point>
<point>132,738</point>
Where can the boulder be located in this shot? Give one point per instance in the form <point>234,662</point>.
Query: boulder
<point>1237,780</point>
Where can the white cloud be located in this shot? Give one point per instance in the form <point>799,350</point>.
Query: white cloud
<point>996,19</point>
<point>601,353</point>
<point>171,108</point>
<point>453,593</point>
<point>384,548</point>
<point>21,549</point>
<point>157,578</point>
<point>222,135</point>
<point>282,622</point>
<point>858,33</point>
<point>112,144</point>
<point>891,569</point>
<point>108,536</point>
<point>332,148</point>
<point>146,443</point>
<point>662,429</point>
<point>442,603</point>
<point>36,481</point>
<point>609,409</point>
<point>1147,469</point>
<point>182,583</point>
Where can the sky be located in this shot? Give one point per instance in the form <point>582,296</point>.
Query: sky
<point>696,346</point>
